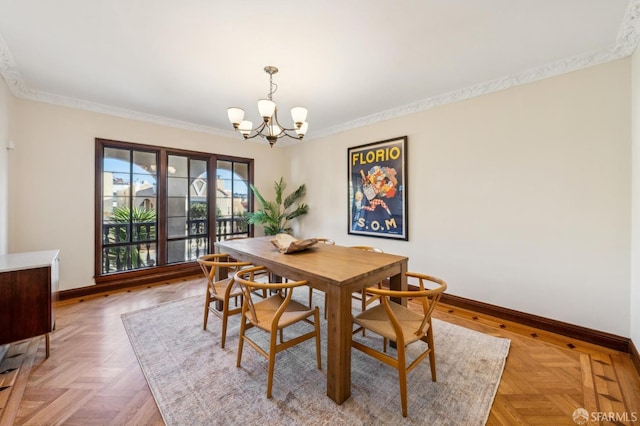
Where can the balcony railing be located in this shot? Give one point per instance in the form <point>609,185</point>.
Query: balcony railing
<point>228,227</point>
<point>128,246</point>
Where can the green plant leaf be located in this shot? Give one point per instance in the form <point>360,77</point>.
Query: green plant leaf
<point>273,215</point>
<point>258,195</point>
<point>295,196</point>
<point>279,188</point>
<point>301,210</point>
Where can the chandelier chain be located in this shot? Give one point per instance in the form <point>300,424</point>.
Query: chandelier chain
<point>271,87</point>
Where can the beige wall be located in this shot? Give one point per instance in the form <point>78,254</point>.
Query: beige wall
<point>6,102</point>
<point>635,235</point>
<point>52,176</point>
<point>520,198</point>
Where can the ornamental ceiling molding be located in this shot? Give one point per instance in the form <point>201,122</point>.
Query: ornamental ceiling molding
<point>18,88</point>
<point>626,42</point>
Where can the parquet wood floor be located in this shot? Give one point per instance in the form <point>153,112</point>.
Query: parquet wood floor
<point>93,377</point>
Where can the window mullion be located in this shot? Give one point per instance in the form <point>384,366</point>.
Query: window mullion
<point>162,207</point>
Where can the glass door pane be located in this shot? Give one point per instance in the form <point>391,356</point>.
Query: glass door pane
<point>187,208</point>
<point>129,216</point>
<point>232,197</point>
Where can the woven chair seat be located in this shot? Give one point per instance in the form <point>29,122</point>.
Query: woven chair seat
<point>377,320</point>
<point>266,310</point>
<point>220,289</point>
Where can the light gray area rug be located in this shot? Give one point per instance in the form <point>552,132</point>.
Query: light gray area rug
<point>195,382</point>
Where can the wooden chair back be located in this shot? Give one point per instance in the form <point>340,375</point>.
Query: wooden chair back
<point>209,263</point>
<point>261,314</point>
<point>220,291</point>
<point>246,279</point>
<point>427,298</point>
<point>397,323</point>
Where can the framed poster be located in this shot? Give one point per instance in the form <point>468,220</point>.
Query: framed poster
<point>378,189</point>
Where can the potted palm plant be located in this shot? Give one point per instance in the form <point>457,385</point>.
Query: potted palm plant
<point>275,215</point>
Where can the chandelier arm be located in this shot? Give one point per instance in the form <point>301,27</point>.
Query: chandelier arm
<point>260,127</point>
<point>283,130</point>
<point>285,133</point>
<point>286,128</point>
<point>275,119</point>
<point>257,130</point>
<point>251,137</point>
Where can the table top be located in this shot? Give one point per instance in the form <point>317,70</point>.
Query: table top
<point>338,265</point>
<point>27,260</point>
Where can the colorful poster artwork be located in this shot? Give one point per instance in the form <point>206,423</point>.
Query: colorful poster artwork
<point>377,189</point>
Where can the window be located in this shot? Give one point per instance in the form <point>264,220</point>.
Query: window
<point>158,209</point>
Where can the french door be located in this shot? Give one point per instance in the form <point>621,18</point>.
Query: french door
<point>161,208</point>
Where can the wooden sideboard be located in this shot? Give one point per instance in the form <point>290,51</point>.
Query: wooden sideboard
<point>28,290</point>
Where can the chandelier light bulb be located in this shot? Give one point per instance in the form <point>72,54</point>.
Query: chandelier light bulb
<point>267,108</point>
<point>245,128</point>
<point>302,130</point>
<point>274,129</point>
<point>299,115</point>
<point>235,116</point>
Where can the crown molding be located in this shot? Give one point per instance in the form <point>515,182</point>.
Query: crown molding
<point>564,66</point>
<point>626,42</point>
<point>8,69</point>
<point>15,82</point>
<point>629,32</point>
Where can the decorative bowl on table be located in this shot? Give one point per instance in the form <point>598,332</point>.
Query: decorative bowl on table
<point>285,243</point>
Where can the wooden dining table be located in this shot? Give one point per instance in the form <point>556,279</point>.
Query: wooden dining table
<point>336,270</point>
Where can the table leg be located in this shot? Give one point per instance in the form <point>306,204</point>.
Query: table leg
<point>338,343</point>
<point>399,282</point>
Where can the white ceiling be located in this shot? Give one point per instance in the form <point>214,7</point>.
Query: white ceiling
<point>350,62</point>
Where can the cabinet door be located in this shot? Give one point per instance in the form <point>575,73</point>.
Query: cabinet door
<point>25,304</point>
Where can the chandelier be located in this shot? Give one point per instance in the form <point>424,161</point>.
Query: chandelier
<point>270,128</point>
